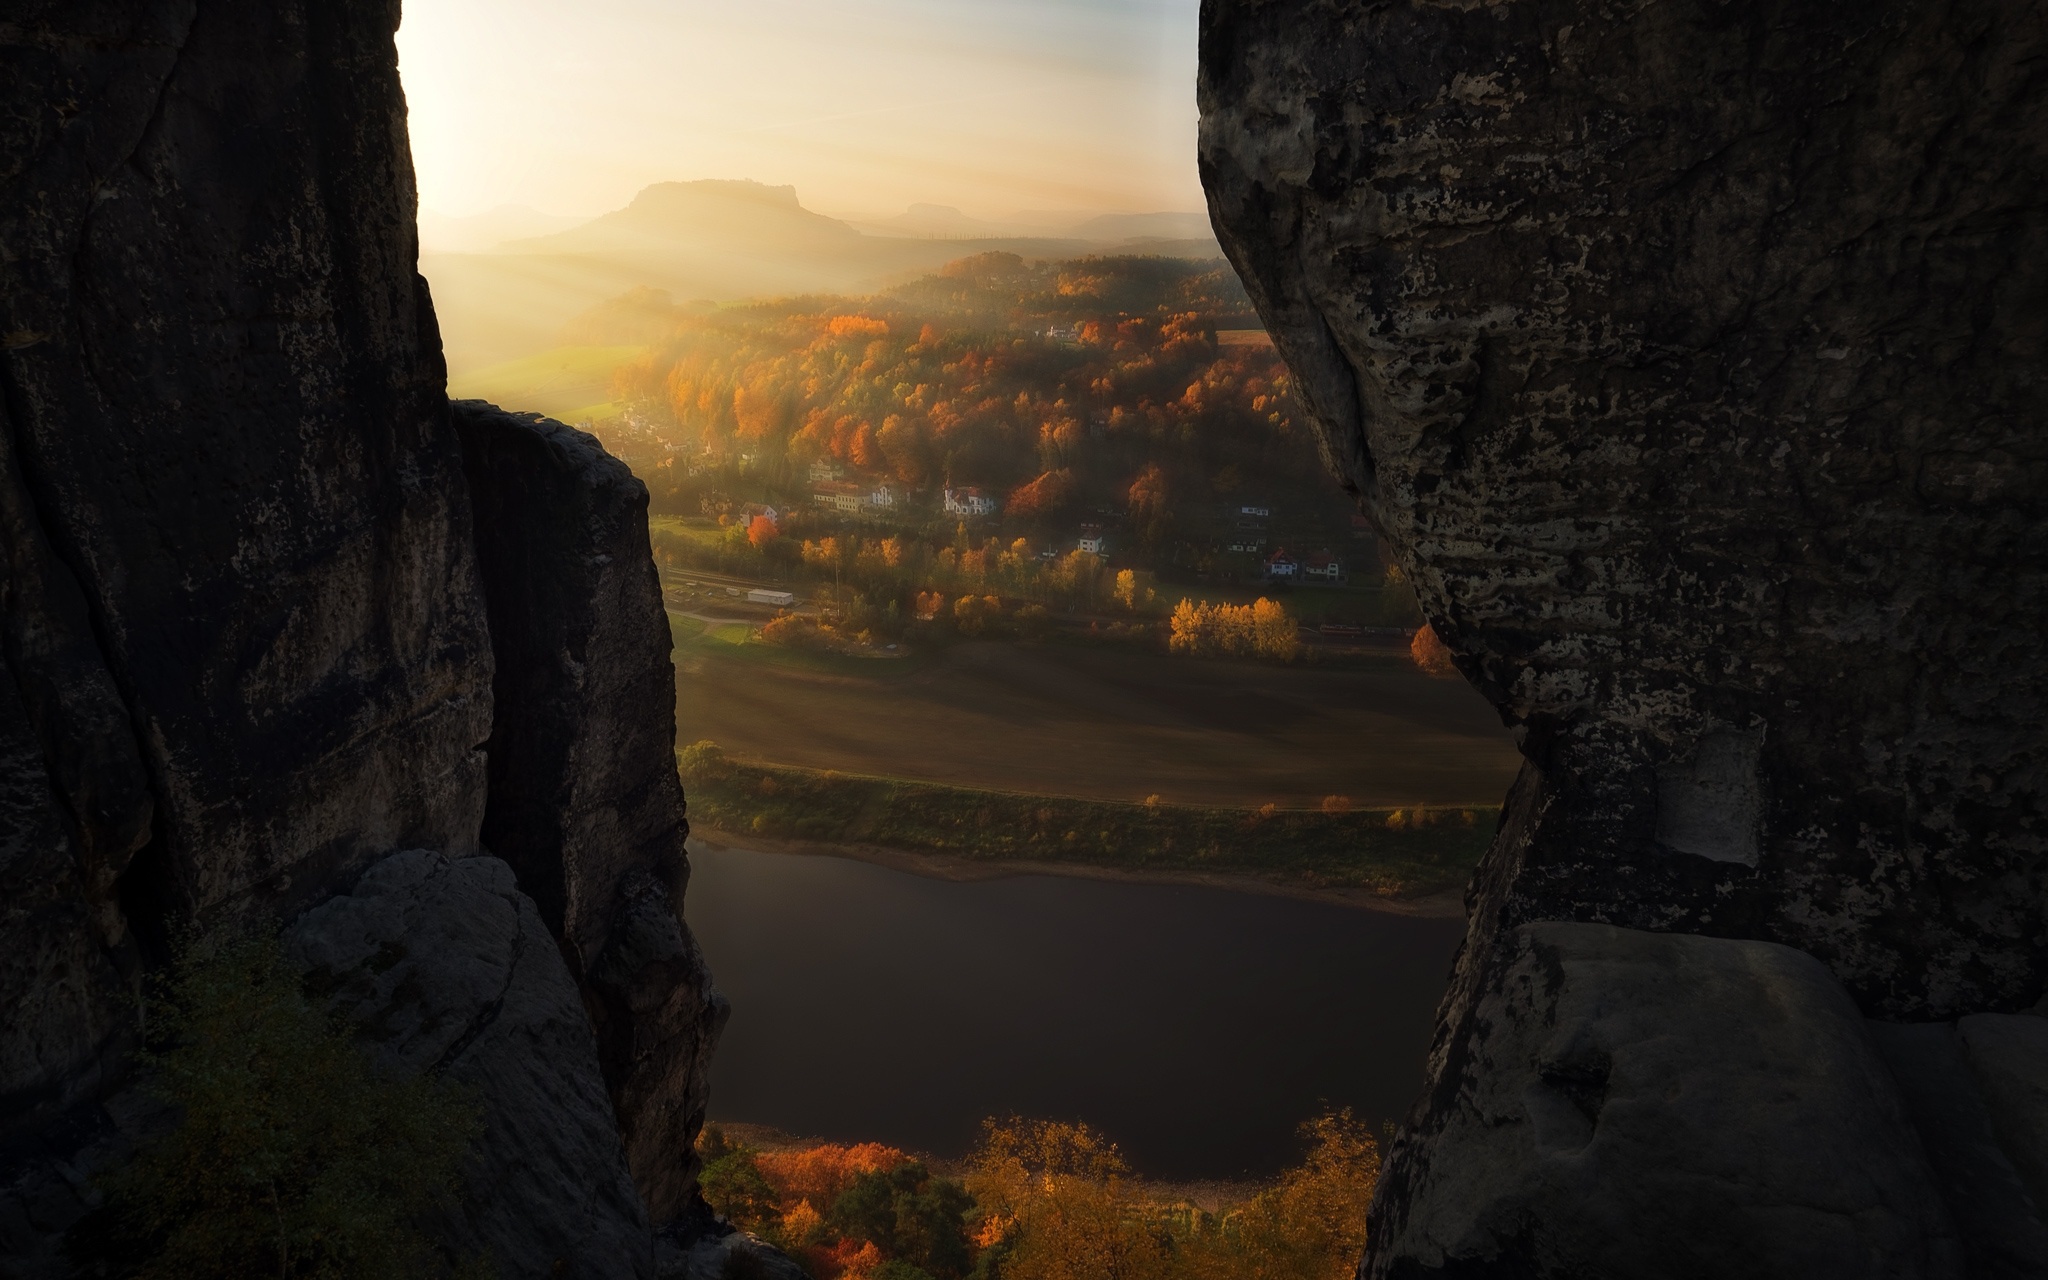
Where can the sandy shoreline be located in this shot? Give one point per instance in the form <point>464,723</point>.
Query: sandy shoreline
<point>1447,905</point>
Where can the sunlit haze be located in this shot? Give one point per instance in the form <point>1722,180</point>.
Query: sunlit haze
<point>997,107</point>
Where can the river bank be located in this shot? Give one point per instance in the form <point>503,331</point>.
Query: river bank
<point>1396,858</point>
<point>1446,904</point>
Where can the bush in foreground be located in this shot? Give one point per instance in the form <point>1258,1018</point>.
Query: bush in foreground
<point>292,1155</point>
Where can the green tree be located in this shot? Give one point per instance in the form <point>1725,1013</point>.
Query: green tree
<point>734,1185</point>
<point>293,1156</point>
<point>911,1216</point>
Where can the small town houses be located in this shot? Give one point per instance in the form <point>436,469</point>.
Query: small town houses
<point>1322,567</point>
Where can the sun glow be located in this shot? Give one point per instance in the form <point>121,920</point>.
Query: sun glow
<point>996,107</point>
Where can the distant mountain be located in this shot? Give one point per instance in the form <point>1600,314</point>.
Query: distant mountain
<point>941,220</point>
<point>671,218</point>
<point>718,240</point>
<point>479,232</point>
<point>1144,226</point>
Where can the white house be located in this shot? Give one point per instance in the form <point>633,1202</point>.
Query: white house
<point>1091,540</point>
<point>970,502</point>
<point>1324,567</point>
<point>1282,565</point>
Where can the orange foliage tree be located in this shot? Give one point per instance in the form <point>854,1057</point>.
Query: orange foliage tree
<point>761,531</point>
<point>1044,495</point>
<point>1431,656</point>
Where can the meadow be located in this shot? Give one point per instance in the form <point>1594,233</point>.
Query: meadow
<point>1098,722</point>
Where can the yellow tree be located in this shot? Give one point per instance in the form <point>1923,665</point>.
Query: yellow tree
<point>1273,630</point>
<point>1127,588</point>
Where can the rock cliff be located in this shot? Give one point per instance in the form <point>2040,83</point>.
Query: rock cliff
<point>1690,357</point>
<point>269,615</point>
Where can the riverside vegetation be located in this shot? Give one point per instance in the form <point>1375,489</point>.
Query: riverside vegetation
<point>1042,1200</point>
<point>1389,852</point>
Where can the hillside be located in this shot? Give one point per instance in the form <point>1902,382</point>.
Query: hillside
<point>724,240</point>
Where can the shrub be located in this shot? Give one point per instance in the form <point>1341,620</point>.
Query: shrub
<point>1430,655</point>
<point>293,1156</point>
<point>702,759</point>
<point>796,631</point>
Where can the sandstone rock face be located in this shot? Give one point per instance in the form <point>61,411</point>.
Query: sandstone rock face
<point>584,798</point>
<point>259,646</point>
<point>247,640</point>
<point>1660,1105</point>
<point>1689,356</point>
<point>445,966</point>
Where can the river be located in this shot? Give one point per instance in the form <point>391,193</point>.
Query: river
<point>1195,1026</point>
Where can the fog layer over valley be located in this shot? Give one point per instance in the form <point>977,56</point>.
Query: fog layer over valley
<point>506,282</point>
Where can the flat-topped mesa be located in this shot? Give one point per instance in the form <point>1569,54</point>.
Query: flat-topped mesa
<point>268,618</point>
<point>1690,357</point>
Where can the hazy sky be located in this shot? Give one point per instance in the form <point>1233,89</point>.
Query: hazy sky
<point>571,106</point>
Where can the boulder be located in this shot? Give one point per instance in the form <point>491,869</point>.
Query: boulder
<point>727,1255</point>
<point>445,967</point>
<point>1971,1152</point>
<point>1664,1106</point>
<point>2008,1055</point>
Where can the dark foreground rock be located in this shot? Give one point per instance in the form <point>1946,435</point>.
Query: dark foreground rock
<point>1641,1104</point>
<point>266,615</point>
<point>584,798</point>
<point>444,966</point>
<point>1689,357</point>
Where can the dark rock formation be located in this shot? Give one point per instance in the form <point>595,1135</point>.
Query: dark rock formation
<point>584,798</point>
<point>1613,1063</point>
<point>445,966</point>
<point>1691,358</point>
<point>248,623</point>
<point>241,603</point>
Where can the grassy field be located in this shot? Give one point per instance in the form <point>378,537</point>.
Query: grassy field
<point>1099,723</point>
<point>1392,853</point>
<point>569,383</point>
